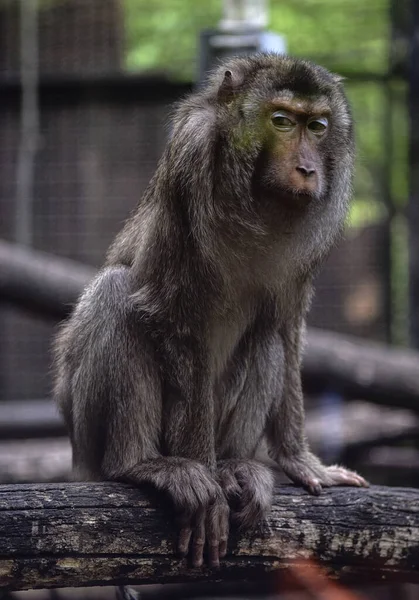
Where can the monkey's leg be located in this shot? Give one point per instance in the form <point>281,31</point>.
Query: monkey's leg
<point>113,395</point>
<point>286,437</point>
<point>248,390</point>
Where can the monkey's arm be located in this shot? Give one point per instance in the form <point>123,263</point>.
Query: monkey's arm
<point>286,436</point>
<point>110,386</point>
<point>188,409</point>
<point>188,432</point>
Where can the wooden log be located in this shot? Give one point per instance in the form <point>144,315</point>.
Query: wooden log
<point>35,460</point>
<point>361,370</point>
<point>39,282</point>
<point>83,534</point>
<point>32,418</point>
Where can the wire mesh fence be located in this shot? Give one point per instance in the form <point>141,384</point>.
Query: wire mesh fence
<point>107,72</point>
<point>102,128</point>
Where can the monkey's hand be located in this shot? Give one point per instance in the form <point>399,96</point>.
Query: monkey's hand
<point>307,470</point>
<point>248,487</point>
<point>202,511</point>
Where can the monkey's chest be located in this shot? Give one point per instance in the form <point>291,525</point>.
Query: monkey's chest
<point>229,329</point>
<point>225,339</point>
<point>234,354</point>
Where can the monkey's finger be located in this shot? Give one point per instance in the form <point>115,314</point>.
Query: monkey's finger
<point>224,530</point>
<point>309,482</point>
<point>302,475</point>
<point>184,539</point>
<point>213,535</point>
<point>214,554</point>
<point>353,479</point>
<point>198,540</point>
<point>313,486</point>
<point>184,527</point>
<point>362,482</point>
<point>341,476</point>
<point>217,531</point>
<point>223,547</point>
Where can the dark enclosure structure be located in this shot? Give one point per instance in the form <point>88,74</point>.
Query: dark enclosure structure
<point>101,133</point>
<point>80,137</point>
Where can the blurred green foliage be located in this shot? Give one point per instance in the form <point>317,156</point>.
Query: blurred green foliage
<point>347,36</point>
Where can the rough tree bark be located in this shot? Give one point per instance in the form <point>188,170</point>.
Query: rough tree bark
<point>80,534</point>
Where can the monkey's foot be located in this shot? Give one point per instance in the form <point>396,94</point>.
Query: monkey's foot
<point>308,471</point>
<point>205,530</point>
<point>248,487</point>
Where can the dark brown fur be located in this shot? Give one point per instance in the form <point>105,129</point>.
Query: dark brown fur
<point>183,355</point>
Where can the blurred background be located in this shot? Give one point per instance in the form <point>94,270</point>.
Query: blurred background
<point>85,93</point>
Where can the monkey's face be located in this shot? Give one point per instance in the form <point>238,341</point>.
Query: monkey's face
<point>290,130</point>
<point>296,132</point>
<point>291,167</point>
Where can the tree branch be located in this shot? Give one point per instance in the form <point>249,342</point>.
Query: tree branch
<point>80,534</point>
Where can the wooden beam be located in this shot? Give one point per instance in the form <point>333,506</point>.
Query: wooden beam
<point>82,534</point>
<point>361,369</point>
<point>40,283</point>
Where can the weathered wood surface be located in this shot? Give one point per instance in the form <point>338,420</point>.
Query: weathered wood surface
<point>103,534</point>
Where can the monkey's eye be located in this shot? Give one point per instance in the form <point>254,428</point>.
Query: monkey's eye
<point>318,126</point>
<point>282,122</point>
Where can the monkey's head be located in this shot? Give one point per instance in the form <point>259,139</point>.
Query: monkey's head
<point>288,123</point>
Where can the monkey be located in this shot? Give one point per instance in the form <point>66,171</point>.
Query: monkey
<point>183,356</point>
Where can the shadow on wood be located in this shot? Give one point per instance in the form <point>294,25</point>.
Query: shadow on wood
<point>80,534</point>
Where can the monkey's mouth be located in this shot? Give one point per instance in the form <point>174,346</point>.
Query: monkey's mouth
<point>295,198</point>
<point>288,196</point>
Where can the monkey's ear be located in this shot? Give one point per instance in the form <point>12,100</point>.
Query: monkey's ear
<point>338,78</point>
<point>229,86</point>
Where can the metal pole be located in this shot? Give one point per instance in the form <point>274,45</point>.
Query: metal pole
<point>413,206</point>
<point>241,31</point>
<point>28,120</point>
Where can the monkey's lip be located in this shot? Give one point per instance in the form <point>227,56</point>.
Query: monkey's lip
<point>297,197</point>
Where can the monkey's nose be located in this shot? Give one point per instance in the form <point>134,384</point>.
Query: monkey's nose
<point>306,170</point>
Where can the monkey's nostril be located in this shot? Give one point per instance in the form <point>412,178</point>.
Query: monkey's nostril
<point>306,170</point>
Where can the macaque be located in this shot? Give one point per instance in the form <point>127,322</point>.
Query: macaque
<point>183,356</point>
